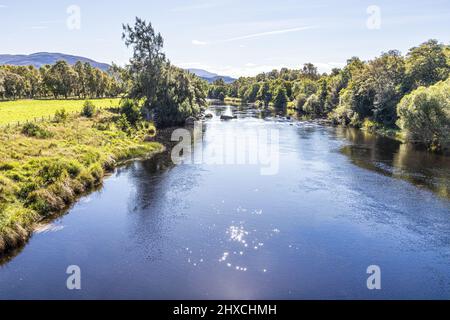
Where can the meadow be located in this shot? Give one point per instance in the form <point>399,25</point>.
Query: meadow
<point>21,111</point>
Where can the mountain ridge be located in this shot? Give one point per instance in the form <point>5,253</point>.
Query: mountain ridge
<point>209,76</point>
<point>39,59</point>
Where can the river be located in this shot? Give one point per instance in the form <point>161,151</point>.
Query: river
<point>339,201</point>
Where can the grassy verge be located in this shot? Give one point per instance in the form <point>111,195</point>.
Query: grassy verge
<point>233,101</point>
<point>378,129</point>
<point>45,167</point>
<point>23,110</point>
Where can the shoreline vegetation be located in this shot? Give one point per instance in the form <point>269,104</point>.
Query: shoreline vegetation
<point>291,110</point>
<point>406,97</point>
<point>46,167</point>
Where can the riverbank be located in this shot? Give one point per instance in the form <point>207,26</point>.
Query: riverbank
<point>46,167</point>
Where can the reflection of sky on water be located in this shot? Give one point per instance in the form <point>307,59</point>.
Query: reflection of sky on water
<point>226,232</point>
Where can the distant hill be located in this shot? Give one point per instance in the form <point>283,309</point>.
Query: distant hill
<point>43,58</point>
<point>210,77</point>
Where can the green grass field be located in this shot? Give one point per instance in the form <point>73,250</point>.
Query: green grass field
<point>23,110</point>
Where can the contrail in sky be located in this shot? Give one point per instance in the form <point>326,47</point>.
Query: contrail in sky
<point>257,35</point>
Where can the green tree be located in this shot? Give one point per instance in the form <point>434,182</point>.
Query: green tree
<point>131,110</point>
<point>304,86</point>
<point>313,106</point>
<point>251,92</point>
<point>13,85</point>
<point>81,87</point>
<point>177,99</point>
<point>374,90</point>
<point>88,109</point>
<point>170,95</point>
<point>62,79</point>
<point>148,61</point>
<point>300,101</point>
<point>2,84</point>
<point>121,80</point>
<point>265,94</point>
<point>218,90</point>
<point>310,71</point>
<point>280,99</point>
<point>426,64</point>
<point>424,115</point>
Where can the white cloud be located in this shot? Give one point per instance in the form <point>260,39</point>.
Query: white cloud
<point>2,6</point>
<point>199,43</point>
<point>269,33</point>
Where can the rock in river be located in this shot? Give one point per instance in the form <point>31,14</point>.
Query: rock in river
<point>225,117</point>
<point>190,121</point>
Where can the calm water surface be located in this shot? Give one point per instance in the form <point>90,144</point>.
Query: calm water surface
<point>341,201</point>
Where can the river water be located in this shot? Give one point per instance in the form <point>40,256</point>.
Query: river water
<point>337,202</point>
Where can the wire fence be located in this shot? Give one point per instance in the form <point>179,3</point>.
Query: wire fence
<point>41,119</point>
<point>49,118</point>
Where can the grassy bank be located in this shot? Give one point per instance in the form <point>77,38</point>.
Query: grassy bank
<point>233,101</point>
<point>23,110</point>
<point>378,129</point>
<point>45,167</point>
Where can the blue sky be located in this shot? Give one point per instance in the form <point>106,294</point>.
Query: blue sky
<point>230,37</point>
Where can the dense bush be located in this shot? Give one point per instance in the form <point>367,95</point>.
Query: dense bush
<point>280,99</point>
<point>35,131</point>
<point>178,99</point>
<point>131,110</point>
<point>312,106</point>
<point>123,123</point>
<point>51,170</point>
<point>300,101</point>
<point>425,115</point>
<point>61,116</point>
<point>88,109</point>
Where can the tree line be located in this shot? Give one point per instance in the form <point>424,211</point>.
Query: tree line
<point>59,80</point>
<point>392,91</point>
